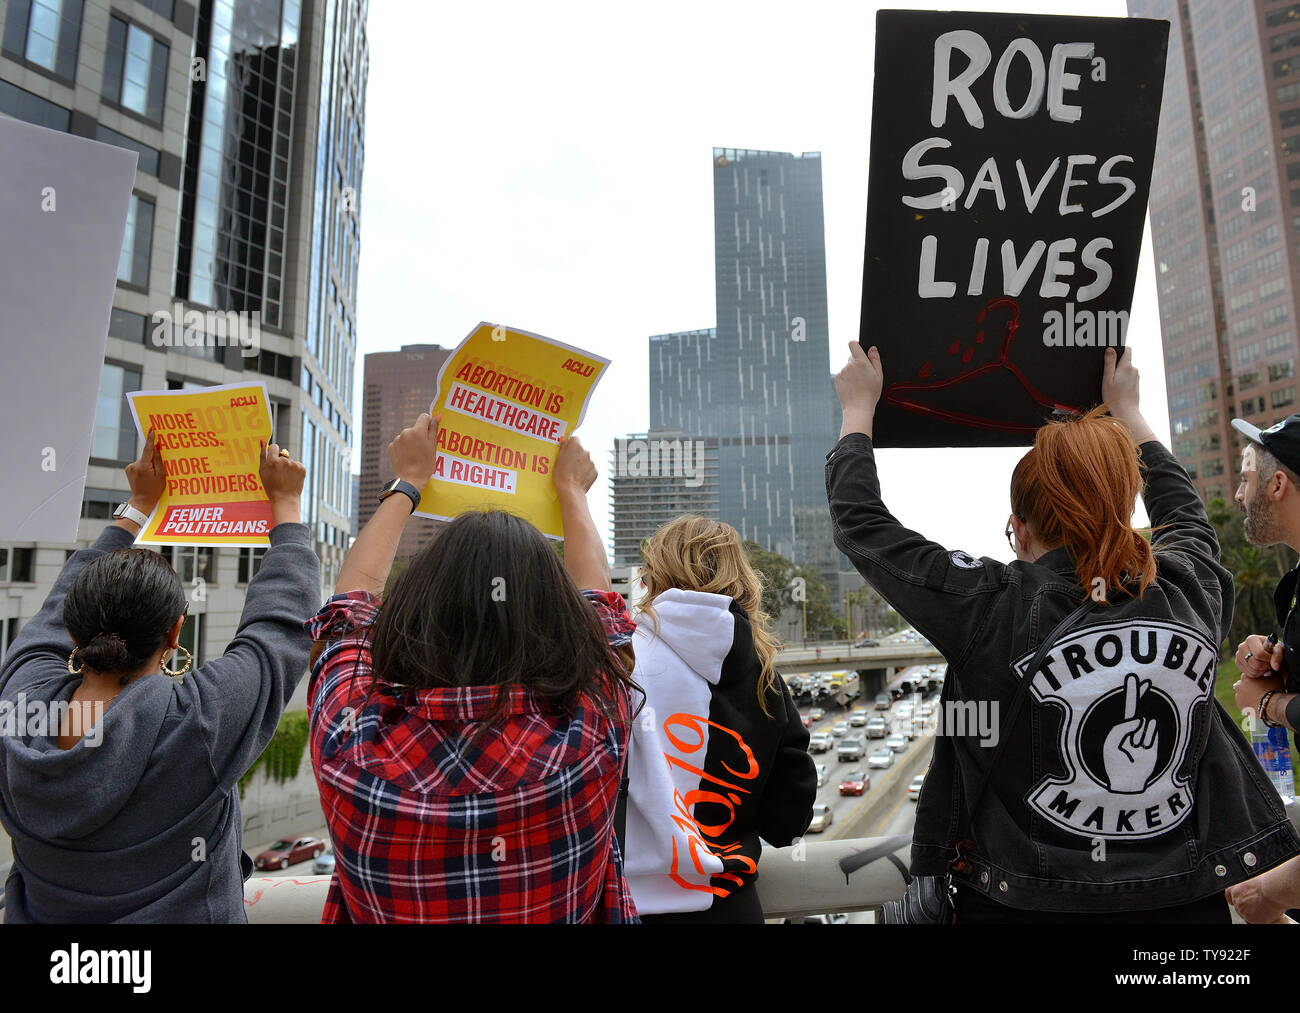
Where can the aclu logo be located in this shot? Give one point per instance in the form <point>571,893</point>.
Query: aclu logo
<point>181,328</point>
<point>1076,328</point>
<point>659,458</point>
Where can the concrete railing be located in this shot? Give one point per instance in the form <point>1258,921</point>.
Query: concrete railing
<point>850,875</point>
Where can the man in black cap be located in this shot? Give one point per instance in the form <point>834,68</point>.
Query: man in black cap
<point>1270,495</point>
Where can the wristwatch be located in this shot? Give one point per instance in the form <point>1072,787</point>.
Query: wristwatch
<point>131,514</point>
<point>397,485</point>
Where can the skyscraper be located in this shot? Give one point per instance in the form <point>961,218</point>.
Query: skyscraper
<point>398,387</point>
<point>1225,215</point>
<point>247,116</point>
<point>760,380</point>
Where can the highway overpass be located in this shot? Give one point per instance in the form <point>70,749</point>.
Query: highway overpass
<point>829,656</point>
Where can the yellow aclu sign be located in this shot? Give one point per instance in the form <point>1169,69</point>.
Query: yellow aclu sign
<point>506,398</point>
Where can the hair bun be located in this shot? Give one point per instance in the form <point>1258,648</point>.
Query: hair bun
<point>106,652</point>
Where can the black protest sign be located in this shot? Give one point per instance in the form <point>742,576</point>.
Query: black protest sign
<point>1010,164</point>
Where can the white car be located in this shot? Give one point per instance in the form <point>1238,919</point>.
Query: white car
<point>903,710</point>
<point>914,789</point>
<point>926,709</point>
<point>821,819</point>
<point>823,774</point>
<point>897,742</point>
<point>881,758</point>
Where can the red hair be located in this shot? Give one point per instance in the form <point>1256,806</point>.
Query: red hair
<point>1076,488</point>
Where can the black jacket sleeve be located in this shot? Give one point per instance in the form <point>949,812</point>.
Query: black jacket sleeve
<point>1181,527</point>
<point>791,789</point>
<point>945,595</point>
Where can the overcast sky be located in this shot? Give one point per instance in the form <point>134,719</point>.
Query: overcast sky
<point>549,166</point>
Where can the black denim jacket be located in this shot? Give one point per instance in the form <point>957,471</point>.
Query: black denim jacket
<point>1125,784</point>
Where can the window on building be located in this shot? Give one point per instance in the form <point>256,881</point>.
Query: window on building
<point>191,561</point>
<point>1282,398</point>
<point>191,639</point>
<point>45,33</point>
<point>250,561</point>
<point>128,326</point>
<point>137,241</point>
<point>149,157</point>
<point>17,565</point>
<point>23,105</point>
<point>113,437</point>
<point>135,69</point>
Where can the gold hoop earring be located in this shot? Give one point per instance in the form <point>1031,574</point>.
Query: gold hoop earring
<point>178,675</point>
<point>71,670</point>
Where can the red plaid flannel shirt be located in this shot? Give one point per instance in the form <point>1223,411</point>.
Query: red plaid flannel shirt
<point>517,828</point>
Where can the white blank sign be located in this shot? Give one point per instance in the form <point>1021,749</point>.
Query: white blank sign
<point>63,207</point>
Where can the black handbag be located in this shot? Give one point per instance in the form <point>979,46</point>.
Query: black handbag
<point>928,900</point>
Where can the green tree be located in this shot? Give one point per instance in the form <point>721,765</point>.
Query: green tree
<point>778,574</point>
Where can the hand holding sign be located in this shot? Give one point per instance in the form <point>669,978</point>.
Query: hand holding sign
<point>415,450</point>
<point>147,476</point>
<point>1130,750</point>
<point>859,385</point>
<point>283,480</point>
<point>575,472</point>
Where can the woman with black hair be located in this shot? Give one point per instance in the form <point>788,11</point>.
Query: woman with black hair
<point>120,797</point>
<point>469,731</point>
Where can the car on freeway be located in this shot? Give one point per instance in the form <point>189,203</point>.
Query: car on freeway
<point>289,851</point>
<point>855,782</point>
<point>858,718</point>
<point>821,819</point>
<point>851,749</point>
<point>823,774</point>
<point>926,709</point>
<point>837,918</point>
<point>865,641</point>
<point>883,701</point>
<point>904,709</point>
<point>840,729</point>
<point>914,789</point>
<point>912,728</point>
<point>816,713</point>
<point>877,728</point>
<point>883,757</point>
<point>805,719</point>
<point>323,865</point>
<point>897,742</point>
<point>819,742</point>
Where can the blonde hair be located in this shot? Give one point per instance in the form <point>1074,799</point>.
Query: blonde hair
<point>694,553</point>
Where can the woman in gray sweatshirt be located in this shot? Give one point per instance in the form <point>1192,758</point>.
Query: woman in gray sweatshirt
<point>117,777</point>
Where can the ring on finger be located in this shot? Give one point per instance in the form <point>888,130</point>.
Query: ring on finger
<point>1248,655</point>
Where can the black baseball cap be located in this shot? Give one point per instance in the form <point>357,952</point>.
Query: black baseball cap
<point>1282,440</point>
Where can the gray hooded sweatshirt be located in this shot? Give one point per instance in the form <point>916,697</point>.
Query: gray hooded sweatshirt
<point>139,821</point>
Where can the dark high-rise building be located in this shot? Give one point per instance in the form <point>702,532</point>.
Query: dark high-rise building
<point>1225,217</point>
<point>399,386</point>
<point>760,380</point>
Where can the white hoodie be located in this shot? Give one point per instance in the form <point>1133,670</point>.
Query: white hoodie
<point>708,771</point>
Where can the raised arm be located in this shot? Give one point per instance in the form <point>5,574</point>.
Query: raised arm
<point>369,561</point>
<point>44,632</point>
<point>1178,518</point>
<point>943,594</point>
<point>242,694</point>
<point>584,552</point>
